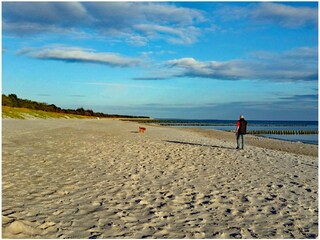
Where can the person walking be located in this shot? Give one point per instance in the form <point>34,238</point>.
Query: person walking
<point>241,130</point>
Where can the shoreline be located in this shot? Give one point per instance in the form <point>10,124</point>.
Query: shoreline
<point>262,135</point>
<point>287,140</point>
<point>270,143</point>
<point>104,179</point>
<point>280,133</point>
<point>253,140</point>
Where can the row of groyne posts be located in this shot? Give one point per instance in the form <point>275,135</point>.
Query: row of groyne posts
<point>253,132</point>
<point>281,132</point>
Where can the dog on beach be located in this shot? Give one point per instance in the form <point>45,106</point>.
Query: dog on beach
<point>142,129</point>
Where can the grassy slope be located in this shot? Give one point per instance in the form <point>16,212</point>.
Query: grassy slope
<point>24,113</point>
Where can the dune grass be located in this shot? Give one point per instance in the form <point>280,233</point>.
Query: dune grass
<point>25,113</point>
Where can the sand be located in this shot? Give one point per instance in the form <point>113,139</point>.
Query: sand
<point>103,179</point>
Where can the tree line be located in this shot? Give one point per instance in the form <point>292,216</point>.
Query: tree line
<point>13,101</point>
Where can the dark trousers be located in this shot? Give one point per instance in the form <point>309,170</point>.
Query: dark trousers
<point>242,140</point>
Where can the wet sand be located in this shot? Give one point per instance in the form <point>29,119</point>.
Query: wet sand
<point>103,179</point>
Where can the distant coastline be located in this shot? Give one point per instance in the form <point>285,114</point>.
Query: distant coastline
<point>14,107</point>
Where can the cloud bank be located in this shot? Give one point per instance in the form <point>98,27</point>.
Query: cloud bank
<point>141,22</point>
<point>305,98</point>
<point>137,22</point>
<point>78,55</point>
<point>299,64</point>
<point>294,107</point>
<point>286,16</point>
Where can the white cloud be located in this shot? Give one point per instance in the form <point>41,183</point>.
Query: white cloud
<point>24,29</point>
<point>137,40</point>
<point>288,16</point>
<point>284,15</point>
<point>119,85</point>
<point>152,29</point>
<point>299,64</point>
<point>229,70</point>
<point>137,22</point>
<point>173,34</point>
<point>72,54</point>
<point>132,12</point>
<point>45,13</point>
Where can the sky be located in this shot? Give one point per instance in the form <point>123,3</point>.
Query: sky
<point>189,60</point>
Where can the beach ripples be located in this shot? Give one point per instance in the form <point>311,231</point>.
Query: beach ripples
<point>101,179</point>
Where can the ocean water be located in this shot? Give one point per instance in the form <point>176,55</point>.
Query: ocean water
<point>308,138</point>
<point>228,125</point>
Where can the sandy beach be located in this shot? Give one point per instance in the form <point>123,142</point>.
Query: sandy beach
<point>104,179</point>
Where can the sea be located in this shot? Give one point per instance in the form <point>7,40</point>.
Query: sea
<point>228,125</point>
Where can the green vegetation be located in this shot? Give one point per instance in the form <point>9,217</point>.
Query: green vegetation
<point>14,107</point>
<point>23,113</point>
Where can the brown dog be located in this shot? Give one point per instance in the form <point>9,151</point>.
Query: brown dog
<point>142,129</point>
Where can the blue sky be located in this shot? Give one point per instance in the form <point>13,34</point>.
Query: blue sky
<point>196,60</point>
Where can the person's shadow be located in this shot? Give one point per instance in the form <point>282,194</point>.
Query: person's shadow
<point>197,144</point>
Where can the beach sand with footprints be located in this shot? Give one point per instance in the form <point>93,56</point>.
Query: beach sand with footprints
<point>104,179</point>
